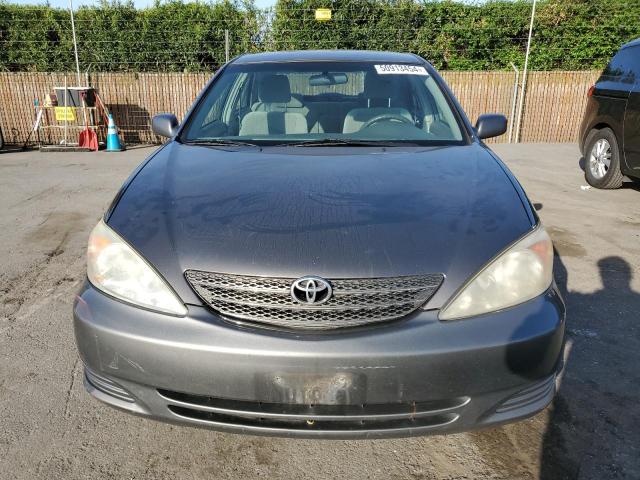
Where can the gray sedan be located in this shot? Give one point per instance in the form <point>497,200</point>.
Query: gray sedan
<point>324,248</point>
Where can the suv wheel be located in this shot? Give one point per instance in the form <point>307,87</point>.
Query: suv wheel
<point>602,159</point>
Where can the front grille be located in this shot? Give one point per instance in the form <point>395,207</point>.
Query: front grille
<point>320,418</point>
<point>354,302</point>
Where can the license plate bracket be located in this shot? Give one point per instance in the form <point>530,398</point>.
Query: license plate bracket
<point>341,388</point>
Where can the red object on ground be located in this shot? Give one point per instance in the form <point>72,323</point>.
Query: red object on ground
<point>88,139</point>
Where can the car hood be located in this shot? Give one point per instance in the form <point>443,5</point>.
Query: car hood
<point>327,211</point>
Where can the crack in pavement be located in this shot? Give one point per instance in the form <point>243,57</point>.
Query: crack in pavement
<point>74,374</point>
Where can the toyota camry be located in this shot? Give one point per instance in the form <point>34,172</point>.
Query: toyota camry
<point>324,247</point>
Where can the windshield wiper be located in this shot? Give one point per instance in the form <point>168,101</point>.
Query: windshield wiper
<point>222,142</point>
<point>338,142</point>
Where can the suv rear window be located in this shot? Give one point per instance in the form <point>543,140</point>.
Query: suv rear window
<point>624,67</point>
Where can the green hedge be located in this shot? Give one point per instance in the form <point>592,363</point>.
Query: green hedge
<point>176,36</point>
<point>568,34</point>
<point>171,36</point>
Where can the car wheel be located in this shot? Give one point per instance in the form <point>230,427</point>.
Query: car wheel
<point>602,159</point>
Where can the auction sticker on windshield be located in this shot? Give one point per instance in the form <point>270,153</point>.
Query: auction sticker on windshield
<point>401,69</point>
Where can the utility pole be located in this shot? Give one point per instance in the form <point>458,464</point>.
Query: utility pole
<point>524,73</point>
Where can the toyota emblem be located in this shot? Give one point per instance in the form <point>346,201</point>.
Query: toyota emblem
<point>311,290</point>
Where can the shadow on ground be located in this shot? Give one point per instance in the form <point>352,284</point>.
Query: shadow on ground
<point>594,425</point>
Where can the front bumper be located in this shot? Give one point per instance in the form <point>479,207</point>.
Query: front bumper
<point>410,377</point>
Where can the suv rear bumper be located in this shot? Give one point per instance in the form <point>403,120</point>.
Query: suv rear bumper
<point>409,377</point>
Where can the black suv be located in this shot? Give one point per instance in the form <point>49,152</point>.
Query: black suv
<point>610,130</point>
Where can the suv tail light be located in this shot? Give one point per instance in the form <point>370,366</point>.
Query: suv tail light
<point>590,91</point>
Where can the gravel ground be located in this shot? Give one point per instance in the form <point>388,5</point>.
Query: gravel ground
<point>50,428</point>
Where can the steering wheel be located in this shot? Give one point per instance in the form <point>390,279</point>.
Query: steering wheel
<point>390,117</point>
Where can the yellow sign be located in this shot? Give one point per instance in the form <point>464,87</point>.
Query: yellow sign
<point>65,113</point>
<point>323,14</point>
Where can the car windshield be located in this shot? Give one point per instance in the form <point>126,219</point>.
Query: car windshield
<point>324,103</point>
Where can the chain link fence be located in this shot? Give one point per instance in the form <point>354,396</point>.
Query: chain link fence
<point>190,37</point>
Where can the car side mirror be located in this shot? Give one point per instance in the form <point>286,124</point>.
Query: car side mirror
<point>491,125</point>
<point>164,124</point>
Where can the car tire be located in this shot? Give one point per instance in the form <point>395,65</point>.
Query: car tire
<point>602,159</point>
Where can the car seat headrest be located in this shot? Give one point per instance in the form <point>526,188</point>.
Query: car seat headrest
<point>274,89</point>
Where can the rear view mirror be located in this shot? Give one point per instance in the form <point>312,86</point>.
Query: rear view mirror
<point>491,125</point>
<point>326,78</point>
<point>164,124</point>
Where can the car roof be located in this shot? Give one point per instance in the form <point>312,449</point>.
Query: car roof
<point>329,56</point>
<point>632,43</point>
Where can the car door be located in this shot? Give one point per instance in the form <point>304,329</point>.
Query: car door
<point>611,94</point>
<point>631,144</point>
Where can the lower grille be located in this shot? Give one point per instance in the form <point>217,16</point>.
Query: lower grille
<point>345,418</point>
<point>354,302</point>
<point>314,425</point>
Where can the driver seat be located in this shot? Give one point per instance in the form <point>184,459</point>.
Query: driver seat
<point>379,90</point>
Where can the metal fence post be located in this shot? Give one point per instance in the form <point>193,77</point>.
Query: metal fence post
<point>66,94</point>
<point>524,73</point>
<point>226,46</point>
<point>514,100</point>
<point>75,42</point>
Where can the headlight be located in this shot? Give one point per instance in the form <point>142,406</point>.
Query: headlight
<point>117,269</point>
<point>520,273</point>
